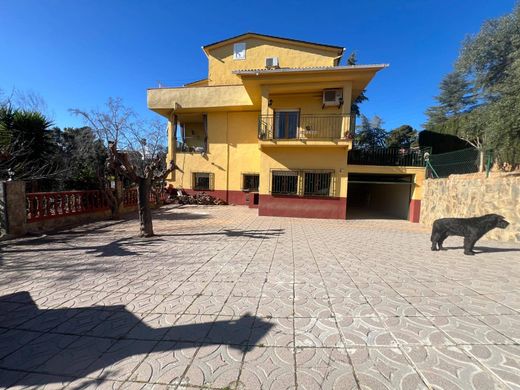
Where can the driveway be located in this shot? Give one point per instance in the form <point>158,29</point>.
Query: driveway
<point>222,298</point>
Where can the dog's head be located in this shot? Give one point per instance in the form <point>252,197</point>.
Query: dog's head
<point>499,221</point>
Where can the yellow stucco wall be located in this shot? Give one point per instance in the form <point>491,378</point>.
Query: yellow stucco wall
<point>198,97</point>
<point>319,158</point>
<point>221,63</point>
<point>233,150</point>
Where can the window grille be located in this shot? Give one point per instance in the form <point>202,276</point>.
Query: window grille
<point>203,181</point>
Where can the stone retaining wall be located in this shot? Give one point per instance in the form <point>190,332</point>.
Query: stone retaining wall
<point>475,195</point>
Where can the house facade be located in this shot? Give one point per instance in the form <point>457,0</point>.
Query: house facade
<point>270,127</point>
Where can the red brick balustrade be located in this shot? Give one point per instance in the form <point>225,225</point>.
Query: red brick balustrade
<point>46,205</point>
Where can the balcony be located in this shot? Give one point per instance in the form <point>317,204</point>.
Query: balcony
<point>402,157</point>
<point>284,128</point>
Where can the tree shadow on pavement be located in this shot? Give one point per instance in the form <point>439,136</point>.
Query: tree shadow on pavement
<point>259,234</point>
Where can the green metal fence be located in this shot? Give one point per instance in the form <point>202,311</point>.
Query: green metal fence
<point>457,162</point>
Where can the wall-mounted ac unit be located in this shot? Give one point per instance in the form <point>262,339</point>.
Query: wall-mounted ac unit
<point>332,97</point>
<point>271,62</point>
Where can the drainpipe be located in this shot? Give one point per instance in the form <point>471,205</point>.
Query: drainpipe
<point>227,157</point>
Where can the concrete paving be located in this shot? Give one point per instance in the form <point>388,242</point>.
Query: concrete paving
<point>222,298</point>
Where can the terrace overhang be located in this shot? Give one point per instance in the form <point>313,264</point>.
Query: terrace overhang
<point>285,79</point>
<point>193,99</point>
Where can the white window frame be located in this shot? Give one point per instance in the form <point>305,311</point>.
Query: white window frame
<point>239,47</point>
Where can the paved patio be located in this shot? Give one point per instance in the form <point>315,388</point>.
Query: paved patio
<point>225,299</point>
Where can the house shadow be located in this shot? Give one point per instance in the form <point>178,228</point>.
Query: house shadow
<point>88,341</point>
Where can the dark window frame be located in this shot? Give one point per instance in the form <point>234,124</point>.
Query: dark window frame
<point>314,183</point>
<point>299,185</point>
<point>247,187</point>
<point>285,186</point>
<point>199,175</point>
<point>283,123</point>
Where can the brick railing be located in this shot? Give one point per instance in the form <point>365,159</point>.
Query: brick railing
<point>130,197</point>
<point>46,205</point>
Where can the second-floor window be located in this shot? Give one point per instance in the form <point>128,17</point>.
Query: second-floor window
<point>239,51</point>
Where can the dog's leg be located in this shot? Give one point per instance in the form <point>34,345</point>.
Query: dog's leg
<point>441,241</point>
<point>469,242</point>
<point>435,239</point>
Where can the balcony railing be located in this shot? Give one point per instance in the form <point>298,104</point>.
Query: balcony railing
<point>403,157</point>
<point>292,126</point>
<point>183,147</point>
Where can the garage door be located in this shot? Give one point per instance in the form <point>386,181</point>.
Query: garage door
<point>378,196</point>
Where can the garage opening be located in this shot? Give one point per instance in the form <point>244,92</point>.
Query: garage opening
<point>378,196</point>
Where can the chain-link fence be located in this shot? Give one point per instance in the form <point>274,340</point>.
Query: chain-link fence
<point>457,162</point>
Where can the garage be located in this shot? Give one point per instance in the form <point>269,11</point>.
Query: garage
<point>381,196</point>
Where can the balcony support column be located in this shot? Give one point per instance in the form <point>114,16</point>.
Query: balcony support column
<point>345,109</point>
<point>172,136</point>
<point>266,109</point>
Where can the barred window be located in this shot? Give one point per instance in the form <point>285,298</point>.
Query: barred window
<point>250,182</point>
<point>202,181</point>
<point>317,183</point>
<point>284,183</point>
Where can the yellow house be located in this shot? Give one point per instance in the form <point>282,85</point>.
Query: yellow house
<point>270,127</point>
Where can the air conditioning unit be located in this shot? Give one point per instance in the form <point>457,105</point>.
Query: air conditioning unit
<point>271,62</point>
<point>332,97</point>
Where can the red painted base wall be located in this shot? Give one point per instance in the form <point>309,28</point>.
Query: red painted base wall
<point>304,207</point>
<point>415,210</point>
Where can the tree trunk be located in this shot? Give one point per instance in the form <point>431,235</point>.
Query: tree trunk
<point>145,213</point>
<point>481,160</point>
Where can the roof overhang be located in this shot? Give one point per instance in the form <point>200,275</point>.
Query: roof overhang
<point>318,69</point>
<point>339,50</point>
<point>359,75</point>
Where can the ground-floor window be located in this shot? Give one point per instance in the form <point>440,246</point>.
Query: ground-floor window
<point>303,182</point>
<point>202,181</point>
<point>250,182</point>
<point>284,183</point>
<point>317,183</point>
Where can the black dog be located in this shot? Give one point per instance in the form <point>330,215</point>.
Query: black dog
<point>472,229</point>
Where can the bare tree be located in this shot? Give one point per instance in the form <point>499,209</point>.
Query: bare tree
<point>135,151</point>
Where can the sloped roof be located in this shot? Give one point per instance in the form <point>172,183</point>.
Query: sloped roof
<point>340,49</point>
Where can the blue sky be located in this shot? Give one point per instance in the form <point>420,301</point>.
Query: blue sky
<point>78,53</point>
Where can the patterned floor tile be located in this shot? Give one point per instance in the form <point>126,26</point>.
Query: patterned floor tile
<point>214,366</point>
<point>362,331</point>
<point>502,360</point>
<point>450,368</point>
<point>120,360</point>
<point>283,294</point>
<point>268,368</point>
<point>508,325</point>
<point>36,352</point>
<point>317,332</point>
<point>469,330</point>
<point>166,363</point>
<point>416,331</point>
<point>384,368</point>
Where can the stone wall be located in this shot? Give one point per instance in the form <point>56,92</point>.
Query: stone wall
<point>475,195</point>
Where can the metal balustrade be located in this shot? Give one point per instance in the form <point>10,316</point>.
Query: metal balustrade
<point>293,126</point>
